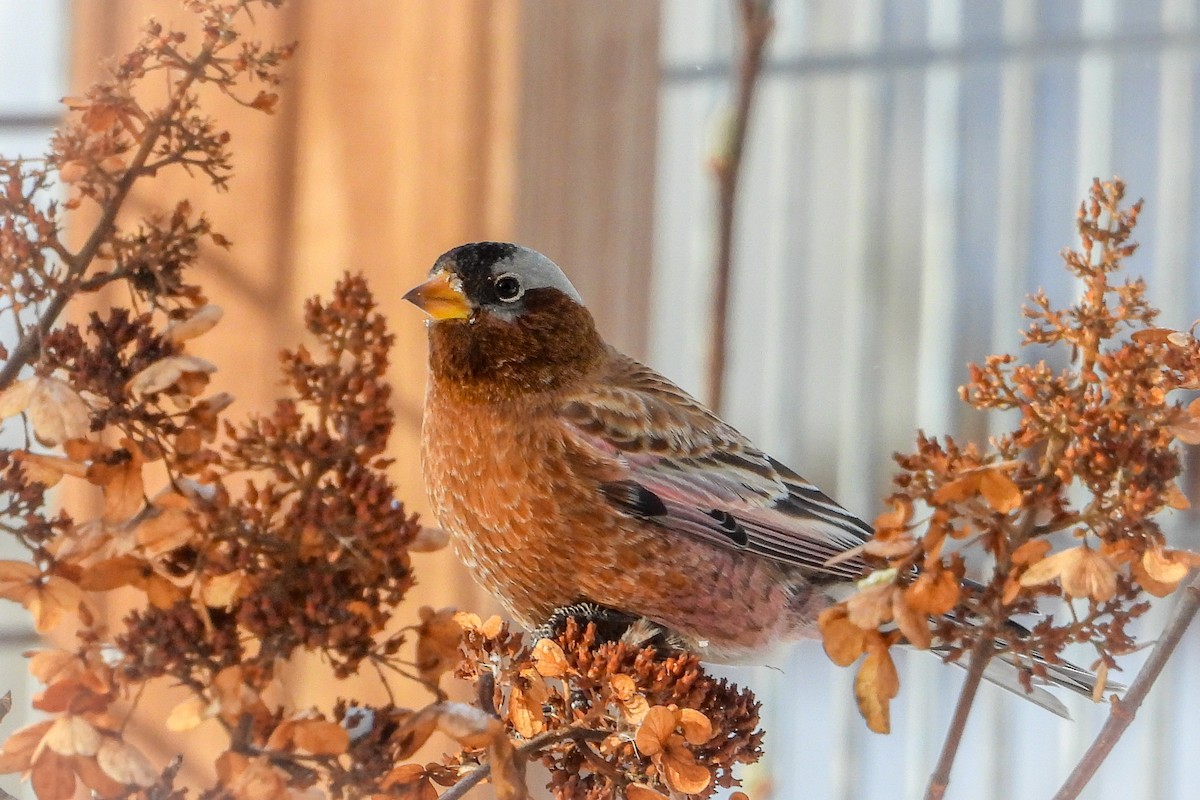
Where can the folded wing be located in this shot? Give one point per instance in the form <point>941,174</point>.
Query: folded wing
<point>681,467</point>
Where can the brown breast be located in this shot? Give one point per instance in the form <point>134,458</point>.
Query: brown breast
<point>522,509</point>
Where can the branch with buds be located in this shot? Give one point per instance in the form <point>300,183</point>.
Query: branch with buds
<point>1109,423</point>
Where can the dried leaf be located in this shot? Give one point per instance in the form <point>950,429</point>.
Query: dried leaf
<point>265,101</point>
<point>468,620</point>
<point>113,573</point>
<point>640,791</point>
<point>47,470</point>
<point>890,547</point>
<point>15,574</point>
<point>201,321</point>
<point>655,730</point>
<point>999,490</point>
<point>898,517</point>
<point>53,776</point>
<point>125,764</point>
<point>525,713</point>
<point>913,624</point>
<point>188,714</point>
<point>633,703</point>
<point>121,483</point>
<point>957,490</point>
<point>681,771</point>
<point>1187,431</point>
<point>467,725</point>
<point>415,730</point>
<point>51,665</point>
<point>438,638</point>
<point>697,729</point>
<point>57,412</point>
<point>1151,335</point>
<point>16,397</point>
<point>1081,571</point>
<point>843,640</point>
<point>1101,681</point>
<point>1012,588</point>
<point>874,687</point>
<point>1149,584</point>
<point>259,780</point>
<point>166,372</point>
<point>429,539</point>
<point>1030,552</point>
<point>50,599</point>
<point>95,778</point>
<point>71,735</point>
<point>1163,566</point>
<point>549,659</point>
<point>161,592</point>
<point>321,737</point>
<point>410,781</point>
<point>933,593</point>
<point>19,748</point>
<point>221,591</point>
<point>165,525</point>
<point>1175,498</point>
<point>871,607</point>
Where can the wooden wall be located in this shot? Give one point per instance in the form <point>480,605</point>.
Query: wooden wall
<point>407,128</point>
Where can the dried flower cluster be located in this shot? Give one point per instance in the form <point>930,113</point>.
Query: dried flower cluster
<point>1086,471</point>
<point>624,720</point>
<point>237,545</point>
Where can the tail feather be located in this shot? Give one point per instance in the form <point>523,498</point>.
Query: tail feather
<point>1007,672</point>
<point>1007,676</point>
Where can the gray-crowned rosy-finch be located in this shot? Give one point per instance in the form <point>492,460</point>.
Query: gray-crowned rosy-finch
<point>569,473</point>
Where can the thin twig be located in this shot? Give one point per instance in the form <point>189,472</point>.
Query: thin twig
<point>757,22</point>
<point>468,781</point>
<point>1125,709</point>
<point>981,654</point>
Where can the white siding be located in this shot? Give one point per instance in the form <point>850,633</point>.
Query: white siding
<point>913,172</point>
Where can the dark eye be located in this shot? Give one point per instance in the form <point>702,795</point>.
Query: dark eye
<point>508,287</point>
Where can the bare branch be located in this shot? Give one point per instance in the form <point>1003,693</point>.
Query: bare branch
<point>981,654</point>
<point>1126,708</point>
<point>757,22</point>
<point>531,747</point>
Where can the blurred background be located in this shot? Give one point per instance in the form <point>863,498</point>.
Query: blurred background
<point>912,172</point>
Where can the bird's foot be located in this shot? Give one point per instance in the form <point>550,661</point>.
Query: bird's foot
<point>610,624</point>
<point>613,626</point>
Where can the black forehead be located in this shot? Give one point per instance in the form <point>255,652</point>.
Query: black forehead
<point>474,262</point>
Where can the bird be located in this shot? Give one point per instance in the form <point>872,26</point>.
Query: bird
<point>572,478</point>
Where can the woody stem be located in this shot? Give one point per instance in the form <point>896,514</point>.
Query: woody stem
<point>534,745</point>
<point>981,654</point>
<point>1125,709</point>
<point>757,23</point>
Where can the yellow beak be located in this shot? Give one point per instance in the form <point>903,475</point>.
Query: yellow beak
<point>441,297</point>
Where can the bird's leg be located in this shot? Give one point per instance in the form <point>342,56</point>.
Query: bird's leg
<point>612,626</point>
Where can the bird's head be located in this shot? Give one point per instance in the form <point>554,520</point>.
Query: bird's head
<point>505,315</point>
<point>494,278</point>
